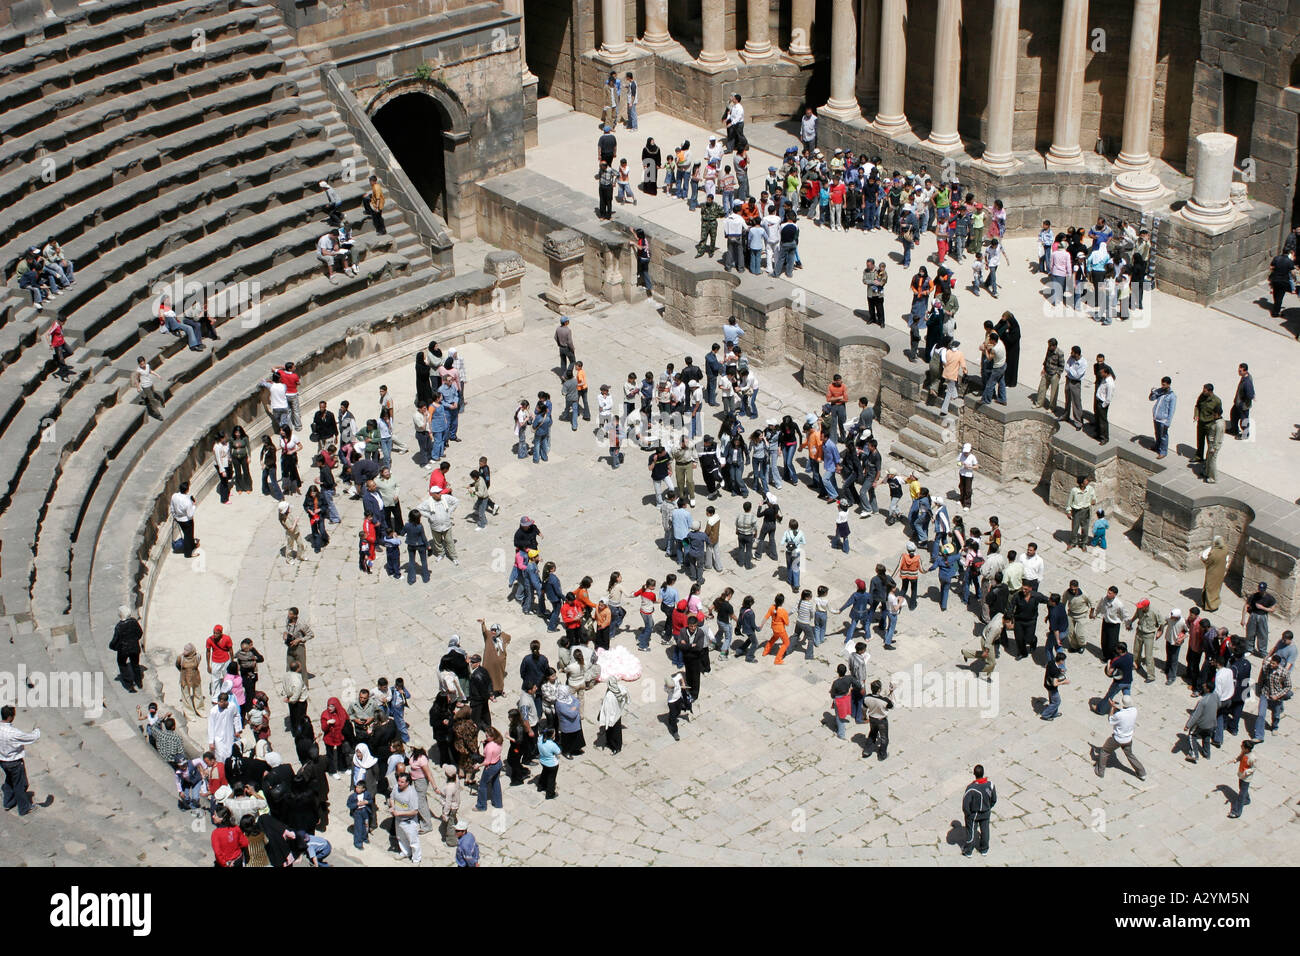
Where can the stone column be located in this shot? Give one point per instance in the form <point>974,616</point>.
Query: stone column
<point>1134,181</point>
<point>893,66</point>
<point>843,103</point>
<point>507,271</point>
<point>869,52</point>
<point>1070,62</point>
<point>801,19</point>
<point>1134,154</point>
<point>758,44</point>
<point>656,24</point>
<point>517,6</point>
<point>947,76</point>
<point>712,52</point>
<point>1211,202</point>
<point>1002,84</point>
<point>614,32</point>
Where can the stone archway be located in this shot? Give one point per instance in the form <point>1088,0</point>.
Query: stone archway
<point>425,126</point>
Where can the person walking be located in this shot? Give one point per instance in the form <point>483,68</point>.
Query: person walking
<point>877,706</point>
<point>1274,688</point>
<point>564,340</point>
<point>1215,560</point>
<point>1053,679</point>
<point>128,638</point>
<point>1123,723</point>
<point>1242,402</point>
<point>977,805</point>
<point>183,508</point>
<point>1079,505</point>
<point>1245,761</point>
<point>1200,725</point>
<point>13,760</point>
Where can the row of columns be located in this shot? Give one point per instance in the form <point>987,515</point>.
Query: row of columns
<point>1134,161</point>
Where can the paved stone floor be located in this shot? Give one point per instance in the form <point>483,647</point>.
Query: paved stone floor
<point>1190,343</point>
<point>758,776</point>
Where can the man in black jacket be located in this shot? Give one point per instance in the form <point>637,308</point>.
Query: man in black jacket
<point>480,693</point>
<point>977,806</point>
<point>127,637</point>
<point>1024,609</point>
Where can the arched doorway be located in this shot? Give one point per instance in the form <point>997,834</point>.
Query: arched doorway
<point>412,125</point>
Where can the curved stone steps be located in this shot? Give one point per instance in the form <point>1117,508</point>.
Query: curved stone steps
<point>99,162</point>
<point>103,24</point>
<point>286,150</point>
<point>59,120</point>
<point>21,89</point>
<point>42,488</point>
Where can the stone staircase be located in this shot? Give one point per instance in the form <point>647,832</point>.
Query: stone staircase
<point>928,443</point>
<point>166,160</point>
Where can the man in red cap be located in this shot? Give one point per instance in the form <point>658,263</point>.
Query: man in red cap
<point>1148,622</point>
<point>862,607</point>
<point>218,653</point>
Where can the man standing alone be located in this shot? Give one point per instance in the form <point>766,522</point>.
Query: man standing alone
<point>977,807</point>
<point>1162,414</point>
<point>13,752</point>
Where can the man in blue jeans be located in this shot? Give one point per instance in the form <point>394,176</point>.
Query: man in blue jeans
<point>996,353</point>
<point>860,602</point>
<point>1120,672</point>
<point>1052,681</point>
<point>1162,415</point>
<point>439,423</point>
<point>13,752</point>
<point>542,432</point>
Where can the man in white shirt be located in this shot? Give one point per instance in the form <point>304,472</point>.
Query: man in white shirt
<point>1033,565</point>
<point>143,382</point>
<point>733,230</point>
<point>182,509</point>
<point>757,240</point>
<point>13,753</point>
<point>735,123</point>
<point>438,509</point>
<point>604,410</point>
<point>713,152</point>
<point>967,463</point>
<point>224,726</point>
<point>1123,721</point>
<point>771,224</point>
<point>1105,394</point>
<point>423,437</point>
<point>808,129</point>
<point>1075,369</point>
<point>675,685</point>
<point>1111,610</point>
<point>279,399</point>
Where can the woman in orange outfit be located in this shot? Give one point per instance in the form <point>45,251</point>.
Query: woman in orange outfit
<point>780,624</point>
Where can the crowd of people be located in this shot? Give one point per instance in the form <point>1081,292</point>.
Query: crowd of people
<point>830,456</point>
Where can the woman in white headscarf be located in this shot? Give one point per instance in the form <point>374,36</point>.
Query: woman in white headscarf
<point>1215,559</point>
<point>611,714</point>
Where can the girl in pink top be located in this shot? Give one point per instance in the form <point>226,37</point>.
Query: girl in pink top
<point>490,782</point>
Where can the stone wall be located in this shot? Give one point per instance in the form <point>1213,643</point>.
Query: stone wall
<point>1204,266</point>
<point>1258,42</point>
<point>472,69</point>
<point>406,200</point>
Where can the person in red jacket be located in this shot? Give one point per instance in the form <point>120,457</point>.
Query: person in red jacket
<point>332,720</point>
<point>229,844</point>
<point>571,618</point>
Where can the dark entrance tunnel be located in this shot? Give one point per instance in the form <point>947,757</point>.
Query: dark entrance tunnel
<point>413,125</point>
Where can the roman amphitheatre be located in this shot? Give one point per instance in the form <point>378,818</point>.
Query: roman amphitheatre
<point>176,148</point>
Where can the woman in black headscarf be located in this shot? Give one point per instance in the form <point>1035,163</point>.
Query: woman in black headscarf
<point>651,160</point>
<point>1008,330</point>
<point>423,384</point>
